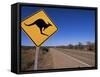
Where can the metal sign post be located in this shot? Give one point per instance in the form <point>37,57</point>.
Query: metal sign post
<point>36,58</point>
<point>38,20</point>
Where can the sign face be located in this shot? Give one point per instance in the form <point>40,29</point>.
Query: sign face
<point>38,27</point>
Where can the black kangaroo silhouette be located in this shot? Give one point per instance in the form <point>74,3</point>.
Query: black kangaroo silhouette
<point>41,25</point>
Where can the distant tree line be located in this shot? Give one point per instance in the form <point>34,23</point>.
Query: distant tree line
<point>89,46</point>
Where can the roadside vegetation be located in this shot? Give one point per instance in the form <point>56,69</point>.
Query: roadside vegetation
<point>89,46</point>
<point>28,56</point>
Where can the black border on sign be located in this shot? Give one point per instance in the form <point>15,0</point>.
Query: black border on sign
<point>49,19</point>
<point>19,71</point>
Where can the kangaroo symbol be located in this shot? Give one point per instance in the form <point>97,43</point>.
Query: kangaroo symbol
<point>41,25</point>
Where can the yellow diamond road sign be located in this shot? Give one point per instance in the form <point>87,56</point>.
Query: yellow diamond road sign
<point>38,27</point>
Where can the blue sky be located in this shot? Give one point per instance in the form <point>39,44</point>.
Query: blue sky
<point>74,25</point>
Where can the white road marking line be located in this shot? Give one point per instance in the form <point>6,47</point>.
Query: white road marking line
<point>78,60</point>
<point>83,57</point>
<point>80,52</point>
<point>80,56</point>
<point>75,59</point>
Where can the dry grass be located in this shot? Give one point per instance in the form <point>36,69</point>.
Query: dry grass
<point>28,55</point>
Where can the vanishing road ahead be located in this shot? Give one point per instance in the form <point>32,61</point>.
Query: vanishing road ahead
<point>64,58</point>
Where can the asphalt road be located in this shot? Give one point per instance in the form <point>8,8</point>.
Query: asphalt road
<point>66,58</point>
